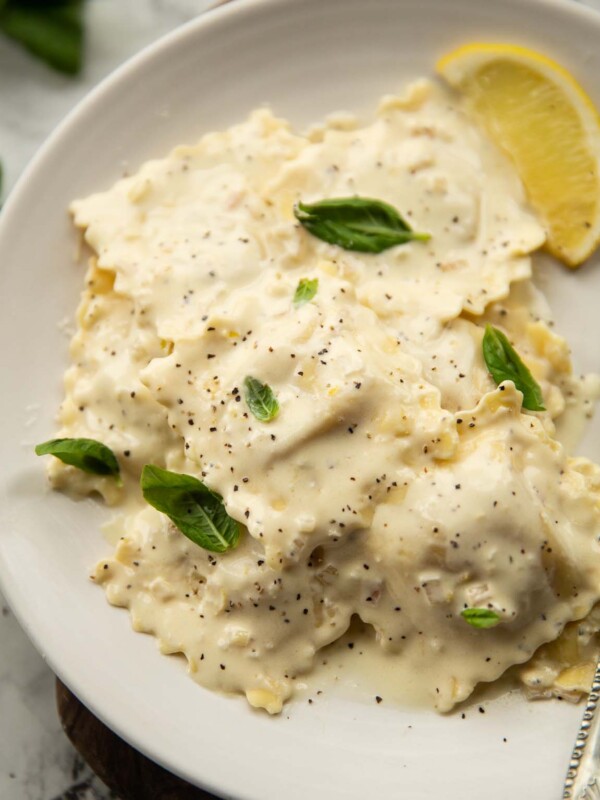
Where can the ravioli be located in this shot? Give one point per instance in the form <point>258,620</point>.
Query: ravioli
<point>397,483</point>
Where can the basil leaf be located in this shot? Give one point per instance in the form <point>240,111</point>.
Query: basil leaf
<point>504,364</point>
<point>85,454</point>
<point>356,223</point>
<point>195,509</point>
<point>50,29</point>
<point>305,291</point>
<point>480,617</point>
<point>260,399</point>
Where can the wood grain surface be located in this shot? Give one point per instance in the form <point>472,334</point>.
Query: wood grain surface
<point>123,769</point>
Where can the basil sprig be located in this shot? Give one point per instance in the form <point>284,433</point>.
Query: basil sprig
<point>88,455</point>
<point>260,399</point>
<point>356,223</point>
<point>480,617</point>
<point>504,364</point>
<point>305,291</point>
<point>50,29</point>
<point>195,509</point>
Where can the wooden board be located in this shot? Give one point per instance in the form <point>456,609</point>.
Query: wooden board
<point>123,769</point>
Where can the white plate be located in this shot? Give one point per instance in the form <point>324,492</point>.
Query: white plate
<point>306,58</point>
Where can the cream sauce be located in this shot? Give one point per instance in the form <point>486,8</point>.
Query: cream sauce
<point>397,484</point>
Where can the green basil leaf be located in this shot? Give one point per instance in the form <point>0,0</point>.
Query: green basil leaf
<point>50,29</point>
<point>305,291</point>
<point>356,223</point>
<point>85,454</point>
<point>480,617</point>
<point>195,509</point>
<point>260,399</point>
<point>504,364</point>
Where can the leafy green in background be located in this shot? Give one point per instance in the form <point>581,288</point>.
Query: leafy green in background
<point>50,29</point>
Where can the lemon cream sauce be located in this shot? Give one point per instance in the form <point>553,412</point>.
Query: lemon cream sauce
<point>397,484</point>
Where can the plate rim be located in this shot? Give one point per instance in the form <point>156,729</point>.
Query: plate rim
<point>68,673</point>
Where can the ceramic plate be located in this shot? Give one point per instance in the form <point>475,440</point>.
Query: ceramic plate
<point>305,58</point>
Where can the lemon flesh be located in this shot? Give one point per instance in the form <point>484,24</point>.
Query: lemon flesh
<point>536,111</point>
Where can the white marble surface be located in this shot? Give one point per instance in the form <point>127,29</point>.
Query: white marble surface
<point>36,760</point>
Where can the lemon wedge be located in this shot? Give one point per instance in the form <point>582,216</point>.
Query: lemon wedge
<point>538,113</point>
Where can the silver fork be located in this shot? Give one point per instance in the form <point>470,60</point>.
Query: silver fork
<point>583,776</point>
